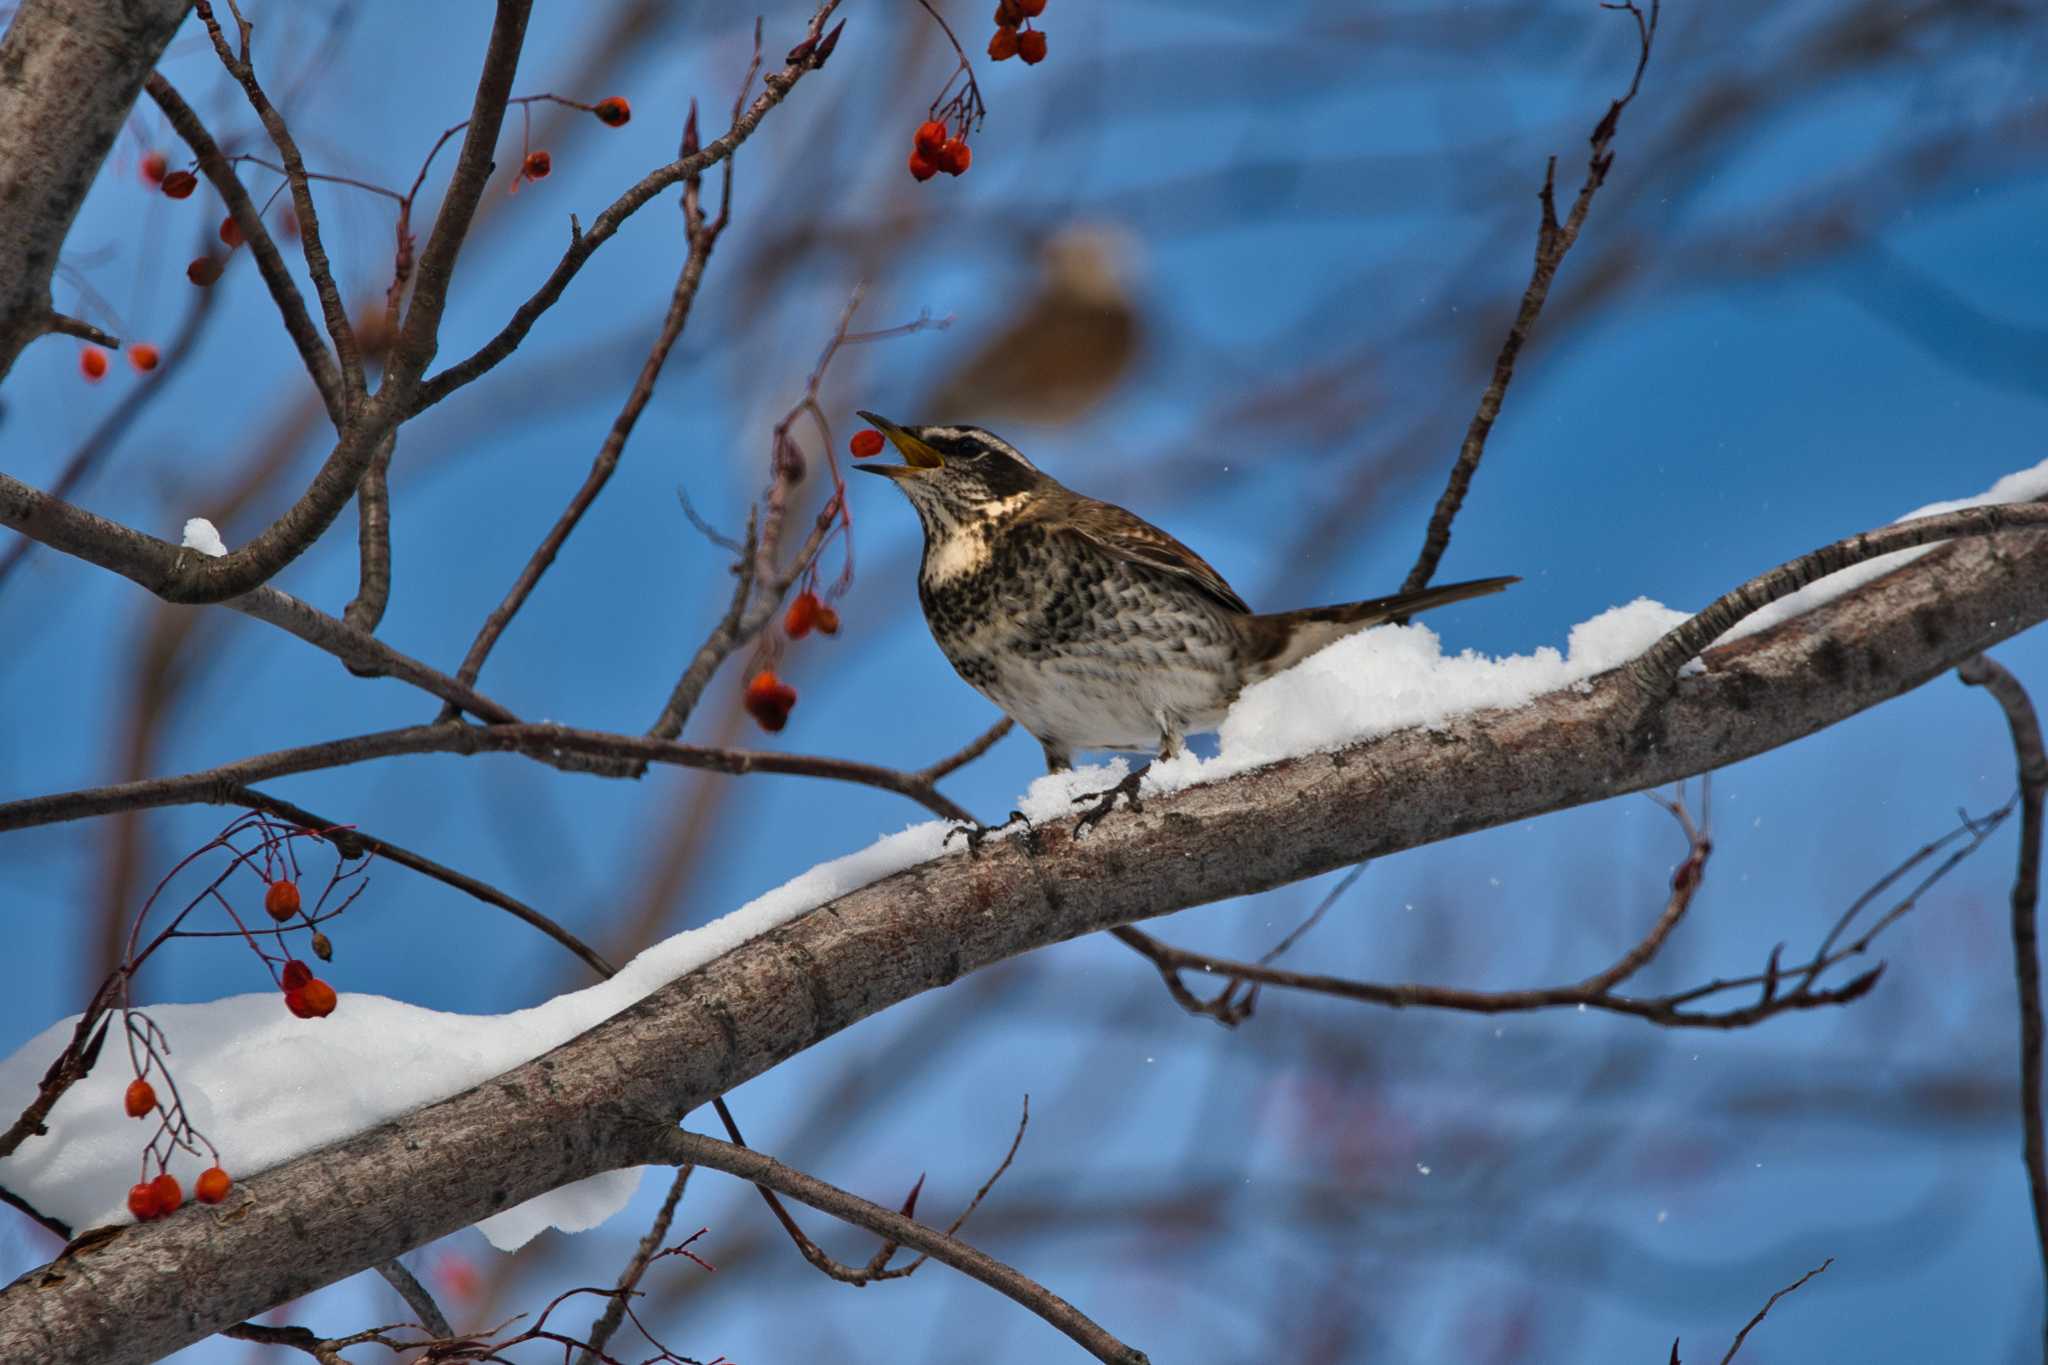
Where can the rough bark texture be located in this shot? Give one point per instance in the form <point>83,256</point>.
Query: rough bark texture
<point>607,1097</point>
<point>69,72</point>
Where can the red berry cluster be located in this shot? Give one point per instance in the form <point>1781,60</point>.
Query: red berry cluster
<point>161,1197</point>
<point>770,700</point>
<point>1014,36</point>
<point>306,995</point>
<point>806,614</point>
<point>934,149</point>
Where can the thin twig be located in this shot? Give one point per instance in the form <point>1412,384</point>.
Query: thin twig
<point>680,1147</point>
<point>284,291</point>
<point>1553,240</point>
<point>974,749</point>
<point>878,1267</point>
<point>1772,1303</point>
<point>318,267</point>
<point>776,85</point>
<point>1594,992</point>
<point>63,324</point>
<point>1655,673</point>
<point>539,741</point>
<point>701,240</point>
<point>629,1280</point>
<point>2025,725</point>
<point>350,840</point>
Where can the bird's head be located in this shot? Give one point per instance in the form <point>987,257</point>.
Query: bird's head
<point>954,474</point>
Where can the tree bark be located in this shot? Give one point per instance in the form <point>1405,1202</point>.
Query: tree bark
<point>69,72</point>
<point>607,1098</point>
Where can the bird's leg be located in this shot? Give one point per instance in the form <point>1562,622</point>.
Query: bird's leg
<point>975,832</point>
<point>1105,801</point>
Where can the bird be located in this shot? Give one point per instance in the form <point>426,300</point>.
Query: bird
<point>1065,347</point>
<point>1090,627</point>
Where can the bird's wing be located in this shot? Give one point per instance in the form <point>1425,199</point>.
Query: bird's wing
<point>1130,537</point>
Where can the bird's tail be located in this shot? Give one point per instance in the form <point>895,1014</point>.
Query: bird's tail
<point>1285,638</point>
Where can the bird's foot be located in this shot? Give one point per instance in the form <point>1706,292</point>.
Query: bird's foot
<point>975,832</point>
<point>1106,799</point>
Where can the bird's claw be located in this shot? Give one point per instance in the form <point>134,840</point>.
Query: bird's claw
<point>974,832</point>
<point>1106,799</point>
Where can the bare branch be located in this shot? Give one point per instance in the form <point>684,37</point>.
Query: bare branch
<point>702,238</point>
<point>353,842</point>
<point>1553,240</point>
<point>1768,1306</point>
<point>545,742</point>
<point>1236,1003</point>
<point>350,387</point>
<point>777,85</point>
<point>682,1147</point>
<point>615,1312</point>
<point>974,749</point>
<point>1653,674</point>
<point>2025,725</point>
<point>284,291</point>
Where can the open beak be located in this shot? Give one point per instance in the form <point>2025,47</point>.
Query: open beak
<point>916,454</point>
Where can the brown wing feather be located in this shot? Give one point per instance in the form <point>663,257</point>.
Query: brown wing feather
<point>1132,538</point>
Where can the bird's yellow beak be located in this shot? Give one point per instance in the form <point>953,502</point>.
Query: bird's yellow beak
<point>916,454</point>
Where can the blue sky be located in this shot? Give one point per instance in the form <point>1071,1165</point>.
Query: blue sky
<point>1788,320</point>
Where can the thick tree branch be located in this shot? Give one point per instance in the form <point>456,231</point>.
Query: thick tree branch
<point>69,73</point>
<point>333,1212</point>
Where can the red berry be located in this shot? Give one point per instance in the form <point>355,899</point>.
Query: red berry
<point>153,167</point>
<point>179,184</point>
<point>930,136</point>
<point>295,1001</point>
<point>828,620</point>
<point>537,166</point>
<point>769,700</point>
<point>865,445</point>
<point>921,166</point>
<point>281,901</point>
<point>801,616</point>
<point>1031,46</point>
<point>1009,13</point>
<point>316,997</point>
<point>142,1201</point>
<point>231,232</point>
<point>92,363</point>
<point>1031,8</point>
<point>212,1185</point>
<point>288,224</point>
<point>612,111</point>
<point>203,271</point>
<point>143,356</point>
<point>140,1099</point>
<point>296,974</point>
<point>955,157</point>
<point>168,1194</point>
<point>1003,46</point>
